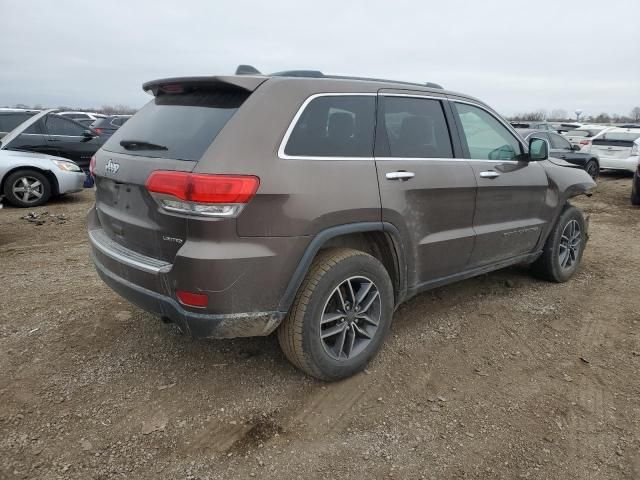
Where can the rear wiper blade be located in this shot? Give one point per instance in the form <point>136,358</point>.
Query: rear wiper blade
<point>141,145</point>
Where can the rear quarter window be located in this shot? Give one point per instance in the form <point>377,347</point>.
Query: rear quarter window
<point>334,126</point>
<point>186,124</point>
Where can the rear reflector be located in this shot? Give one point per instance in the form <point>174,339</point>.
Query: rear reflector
<point>190,299</point>
<point>200,194</point>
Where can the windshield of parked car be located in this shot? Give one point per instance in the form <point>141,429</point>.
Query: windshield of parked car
<point>622,136</point>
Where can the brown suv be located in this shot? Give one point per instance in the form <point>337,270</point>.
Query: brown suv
<point>315,205</point>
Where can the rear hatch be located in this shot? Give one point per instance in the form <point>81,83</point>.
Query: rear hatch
<point>615,144</point>
<point>171,133</point>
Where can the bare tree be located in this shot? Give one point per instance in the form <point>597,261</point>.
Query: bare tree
<point>635,114</point>
<point>602,118</point>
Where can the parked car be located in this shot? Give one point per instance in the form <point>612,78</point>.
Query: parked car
<point>618,148</point>
<point>54,135</point>
<point>562,127</point>
<point>533,125</point>
<point>30,179</point>
<point>10,119</point>
<point>635,188</point>
<point>584,135</point>
<point>84,118</point>
<point>108,125</point>
<point>235,213</point>
<point>561,148</point>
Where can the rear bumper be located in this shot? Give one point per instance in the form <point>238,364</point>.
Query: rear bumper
<point>629,164</point>
<point>243,278</point>
<point>196,324</point>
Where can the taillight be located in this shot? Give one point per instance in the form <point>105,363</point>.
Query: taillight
<point>200,194</point>
<point>98,130</point>
<point>92,166</point>
<point>585,142</point>
<point>191,299</point>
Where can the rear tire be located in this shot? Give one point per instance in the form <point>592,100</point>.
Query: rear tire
<point>635,192</point>
<point>340,316</point>
<point>593,169</point>
<point>563,250</point>
<point>27,188</point>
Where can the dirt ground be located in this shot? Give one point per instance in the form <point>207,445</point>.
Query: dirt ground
<point>502,376</point>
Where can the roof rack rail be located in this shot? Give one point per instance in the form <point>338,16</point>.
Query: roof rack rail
<point>299,73</point>
<point>250,70</point>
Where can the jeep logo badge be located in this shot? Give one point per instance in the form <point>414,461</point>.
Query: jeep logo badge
<point>112,167</point>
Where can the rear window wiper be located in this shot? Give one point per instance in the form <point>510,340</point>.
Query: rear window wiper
<point>141,145</point>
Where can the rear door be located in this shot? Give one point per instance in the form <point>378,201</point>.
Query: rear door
<point>66,137</point>
<point>427,190</point>
<point>508,219</point>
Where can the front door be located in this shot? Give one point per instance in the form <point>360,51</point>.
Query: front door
<point>427,190</point>
<point>66,137</point>
<point>508,220</point>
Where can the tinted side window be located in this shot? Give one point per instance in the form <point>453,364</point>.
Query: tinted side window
<point>559,143</point>
<point>486,137</point>
<point>10,121</point>
<point>416,128</point>
<point>334,126</point>
<point>57,125</point>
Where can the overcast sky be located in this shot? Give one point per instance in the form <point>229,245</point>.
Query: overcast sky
<point>515,55</point>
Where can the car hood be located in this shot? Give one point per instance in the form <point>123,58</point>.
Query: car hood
<point>9,137</point>
<point>24,155</point>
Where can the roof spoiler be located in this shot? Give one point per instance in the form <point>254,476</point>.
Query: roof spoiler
<point>177,84</point>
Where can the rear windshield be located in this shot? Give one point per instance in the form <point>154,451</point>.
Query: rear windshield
<point>9,121</point>
<point>619,136</point>
<point>177,126</point>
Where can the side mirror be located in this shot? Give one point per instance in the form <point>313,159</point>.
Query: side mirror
<point>538,149</point>
<point>575,147</point>
<point>89,134</point>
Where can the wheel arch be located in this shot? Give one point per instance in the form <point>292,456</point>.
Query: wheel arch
<point>53,180</point>
<point>381,240</point>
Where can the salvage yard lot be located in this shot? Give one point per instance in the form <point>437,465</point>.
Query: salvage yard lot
<point>502,376</point>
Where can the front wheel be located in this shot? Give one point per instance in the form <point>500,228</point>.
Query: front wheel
<point>27,188</point>
<point>340,316</point>
<point>563,250</point>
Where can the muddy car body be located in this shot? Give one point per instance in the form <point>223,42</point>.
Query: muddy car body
<point>311,197</point>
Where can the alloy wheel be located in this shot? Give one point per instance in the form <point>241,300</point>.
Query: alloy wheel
<point>28,189</point>
<point>350,318</point>
<point>570,244</point>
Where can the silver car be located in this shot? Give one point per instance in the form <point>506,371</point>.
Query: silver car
<point>29,179</point>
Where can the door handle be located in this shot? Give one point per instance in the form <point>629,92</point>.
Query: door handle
<point>400,175</point>
<point>489,174</point>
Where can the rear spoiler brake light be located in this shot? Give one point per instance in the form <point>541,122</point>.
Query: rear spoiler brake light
<point>180,84</point>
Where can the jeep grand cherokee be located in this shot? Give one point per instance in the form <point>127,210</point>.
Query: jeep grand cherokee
<point>314,205</point>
